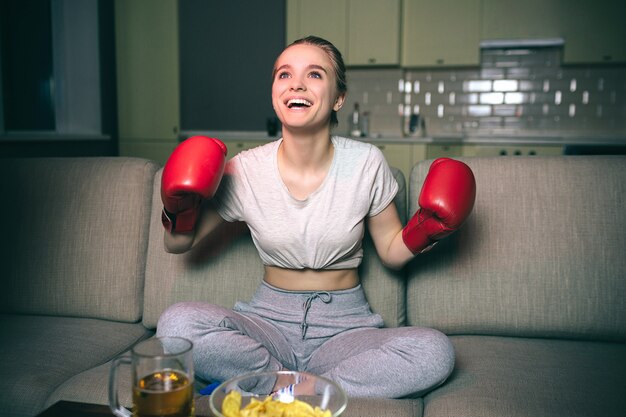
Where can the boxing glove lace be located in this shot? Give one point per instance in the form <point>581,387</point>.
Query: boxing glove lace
<point>191,174</point>
<point>446,200</point>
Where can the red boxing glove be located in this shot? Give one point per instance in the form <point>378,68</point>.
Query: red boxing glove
<point>446,200</point>
<point>192,173</point>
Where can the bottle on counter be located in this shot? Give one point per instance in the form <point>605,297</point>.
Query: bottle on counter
<point>416,126</point>
<point>365,124</point>
<point>354,122</point>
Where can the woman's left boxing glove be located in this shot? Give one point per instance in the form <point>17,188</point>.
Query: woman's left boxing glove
<point>446,200</point>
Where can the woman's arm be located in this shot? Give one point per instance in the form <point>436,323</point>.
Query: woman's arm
<point>189,181</point>
<point>209,222</point>
<point>386,231</point>
<point>446,200</point>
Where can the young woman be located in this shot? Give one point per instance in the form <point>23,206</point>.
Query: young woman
<point>307,199</point>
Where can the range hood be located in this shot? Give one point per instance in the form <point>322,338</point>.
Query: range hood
<point>521,43</point>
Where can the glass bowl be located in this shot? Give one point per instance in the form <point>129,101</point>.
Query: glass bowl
<point>314,390</point>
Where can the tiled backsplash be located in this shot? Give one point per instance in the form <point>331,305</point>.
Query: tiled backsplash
<point>515,91</point>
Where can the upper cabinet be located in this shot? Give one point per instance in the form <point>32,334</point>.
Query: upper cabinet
<point>441,33</point>
<point>449,32</point>
<point>514,19</point>
<point>324,18</point>
<point>147,70</point>
<point>374,35</point>
<point>367,32</point>
<point>594,31</point>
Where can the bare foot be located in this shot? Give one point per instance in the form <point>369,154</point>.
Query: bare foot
<point>287,387</point>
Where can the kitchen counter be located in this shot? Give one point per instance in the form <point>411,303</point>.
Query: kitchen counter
<point>404,152</point>
<point>616,139</point>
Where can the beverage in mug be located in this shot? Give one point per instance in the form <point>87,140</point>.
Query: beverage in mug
<point>167,393</point>
<point>162,379</point>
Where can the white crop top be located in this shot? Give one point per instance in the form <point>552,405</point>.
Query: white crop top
<point>324,231</point>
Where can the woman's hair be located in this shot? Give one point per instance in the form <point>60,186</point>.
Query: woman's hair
<point>338,65</point>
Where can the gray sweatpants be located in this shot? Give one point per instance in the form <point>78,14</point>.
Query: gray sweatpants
<point>333,334</point>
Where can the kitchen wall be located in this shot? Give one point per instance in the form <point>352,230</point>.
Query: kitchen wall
<point>519,91</point>
<point>377,92</point>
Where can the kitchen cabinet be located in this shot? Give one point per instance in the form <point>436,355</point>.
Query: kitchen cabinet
<point>324,18</point>
<point>398,155</point>
<point>404,155</point>
<point>512,150</point>
<point>440,33</point>
<point>366,32</point>
<point>147,77</point>
<point>374,32</point>
<point>513,19</point>
<point>401,155</point>
<point>594,32</point>
<point>236,146</point>
<point>434,151</point>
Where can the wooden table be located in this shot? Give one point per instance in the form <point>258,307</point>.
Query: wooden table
<point>74,409</point>
<point>78,409</point>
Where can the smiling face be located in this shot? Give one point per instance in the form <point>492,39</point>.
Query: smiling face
<point>304,89</point>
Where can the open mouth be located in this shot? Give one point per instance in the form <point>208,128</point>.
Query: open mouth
<point>297,103</point>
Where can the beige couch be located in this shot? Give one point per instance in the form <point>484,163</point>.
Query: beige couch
<point>531,290</point>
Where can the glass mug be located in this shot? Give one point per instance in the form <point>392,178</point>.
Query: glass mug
<point>162,379</point>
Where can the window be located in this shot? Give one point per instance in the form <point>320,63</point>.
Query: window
<point>50,68</point>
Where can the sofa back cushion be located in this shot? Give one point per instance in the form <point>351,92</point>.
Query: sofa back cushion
<point>543,254</point>
<point>223,272</point>
<point>74,236</point>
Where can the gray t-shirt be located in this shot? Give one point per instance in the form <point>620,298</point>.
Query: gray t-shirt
<point>324,231</point>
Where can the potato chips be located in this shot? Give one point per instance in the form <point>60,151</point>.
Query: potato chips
<point>231,407</point>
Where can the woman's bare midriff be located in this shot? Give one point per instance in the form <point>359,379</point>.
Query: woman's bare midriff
<point>311,279</point>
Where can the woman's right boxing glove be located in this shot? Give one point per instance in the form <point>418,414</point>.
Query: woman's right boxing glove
<point>192,173</point>
<point>446,200</point>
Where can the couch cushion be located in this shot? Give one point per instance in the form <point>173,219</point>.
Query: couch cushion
<point>74,236</point>
<point>543,253</point>
<point>382,407</point>
<point>503,376</point>
<point>39,353</point>
<point>227,271</point>
<point>91,386</point>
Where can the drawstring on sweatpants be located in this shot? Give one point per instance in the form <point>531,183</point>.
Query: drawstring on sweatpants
<point>324,296</point>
